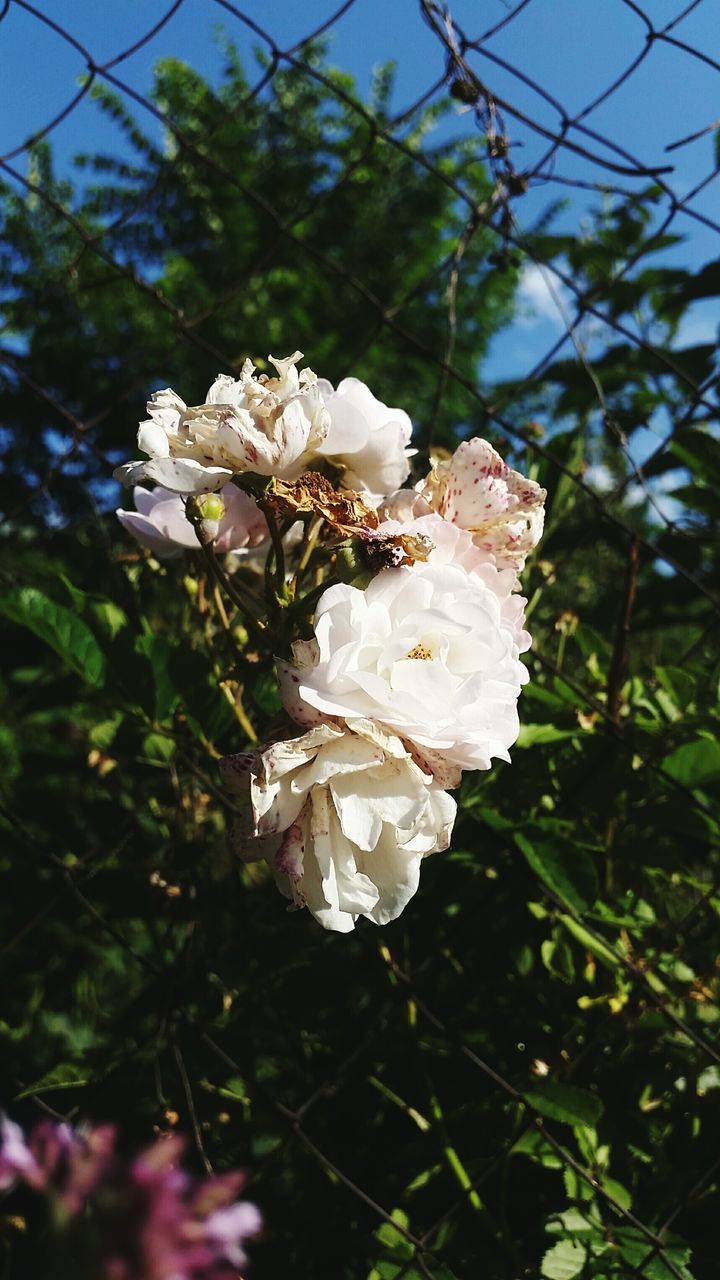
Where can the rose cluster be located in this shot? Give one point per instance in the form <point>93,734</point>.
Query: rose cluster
<point>153,1220</point>
<point>404,669</point>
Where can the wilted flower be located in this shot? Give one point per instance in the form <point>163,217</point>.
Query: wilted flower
<point>502,509</point>
<point>345,511</point>
<point>425,650</point>
<point>368,440</point>
<point>271,426</point>
<point>161,525</point>
<point>344,816</point>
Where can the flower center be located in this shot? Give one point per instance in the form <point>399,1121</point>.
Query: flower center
<point>420,651</point>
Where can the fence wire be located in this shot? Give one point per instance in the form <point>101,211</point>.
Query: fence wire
<point>467,65</point>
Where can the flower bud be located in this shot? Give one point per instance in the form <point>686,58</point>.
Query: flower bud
<point>204,506</point>
<point>205,511</point>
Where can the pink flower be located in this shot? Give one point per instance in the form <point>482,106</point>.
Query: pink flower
<point>154,1221</point>
<point>160,523</point>
<point>17,1161</point>
<point>476,490</point>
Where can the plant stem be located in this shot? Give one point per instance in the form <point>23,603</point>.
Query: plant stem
<point>312,533</point>
<point>255,626</point>
<point>279,595</point>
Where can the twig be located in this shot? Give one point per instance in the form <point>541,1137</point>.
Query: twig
<point>619,660</point>
<point>197,1135</point>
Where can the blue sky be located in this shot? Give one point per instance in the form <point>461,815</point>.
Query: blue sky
<point>574,48</point>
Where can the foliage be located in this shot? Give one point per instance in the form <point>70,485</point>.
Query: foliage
<point>531,1052</point>
<point>198,239</point>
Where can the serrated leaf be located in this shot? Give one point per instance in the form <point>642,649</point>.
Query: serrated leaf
<point>67,634</point>
<point>565,1102</point>
<point>565,868</point>
<point>565,1260</point>
<point>651,1264</point>
<point>65,1076</point>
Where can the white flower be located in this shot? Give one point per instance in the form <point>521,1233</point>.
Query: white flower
<point>160,523</point>
<point>452,545</point>
<point>502,509</point>
<point>425,650</point>
<point>272,426</point>
<point>344,817</point>
<point>404,505</point>
<point>368,440</point>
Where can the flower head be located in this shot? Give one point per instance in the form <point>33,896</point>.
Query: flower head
<point>268,425</point>
<point>476,490</point>
<point>155,1221</point>
<point>424,650</point>
<point>366,439</point>
<point>160,523</point>
<point>17,1161</point>
<point>344,816</point>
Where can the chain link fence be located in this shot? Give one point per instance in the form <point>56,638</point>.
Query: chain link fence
<point>336,1118</point>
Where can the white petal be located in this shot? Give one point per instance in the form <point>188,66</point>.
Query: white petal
<point>184,475</point>
<point>152,440</point>
<point>145,532</point>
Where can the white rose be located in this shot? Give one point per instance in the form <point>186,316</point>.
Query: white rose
<point>368,440</point>
<point>425,650</point>
<point>502,509</point>
<point>271,426</point>
<point>160,523</point>
<point>344,818</point>
<point>452,545</point>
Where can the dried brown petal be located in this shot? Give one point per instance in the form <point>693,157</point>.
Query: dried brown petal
<point>344,510</point>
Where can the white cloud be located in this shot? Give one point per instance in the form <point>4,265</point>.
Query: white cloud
<point>536,297</point>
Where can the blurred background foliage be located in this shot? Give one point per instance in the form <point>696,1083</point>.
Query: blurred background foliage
<point>524,1070</point>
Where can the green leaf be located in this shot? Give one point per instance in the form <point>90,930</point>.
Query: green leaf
<point>700,452</point>
<point>677,683</point>
<point>557,957</point>
<point>393,1240</point>
<point>639,1253</point>
<point>565,1102</point>
<point>565,1260</point>
<point>158,748</point>
<point>65,1076</point>
<point>67,634</point>
<point>536,735</point>
<point>565,868</point>
<point>695,764</point>
<point>602,952</point>
<point>102,735</point>
<point>158,651</point>
<point>109,616</point>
